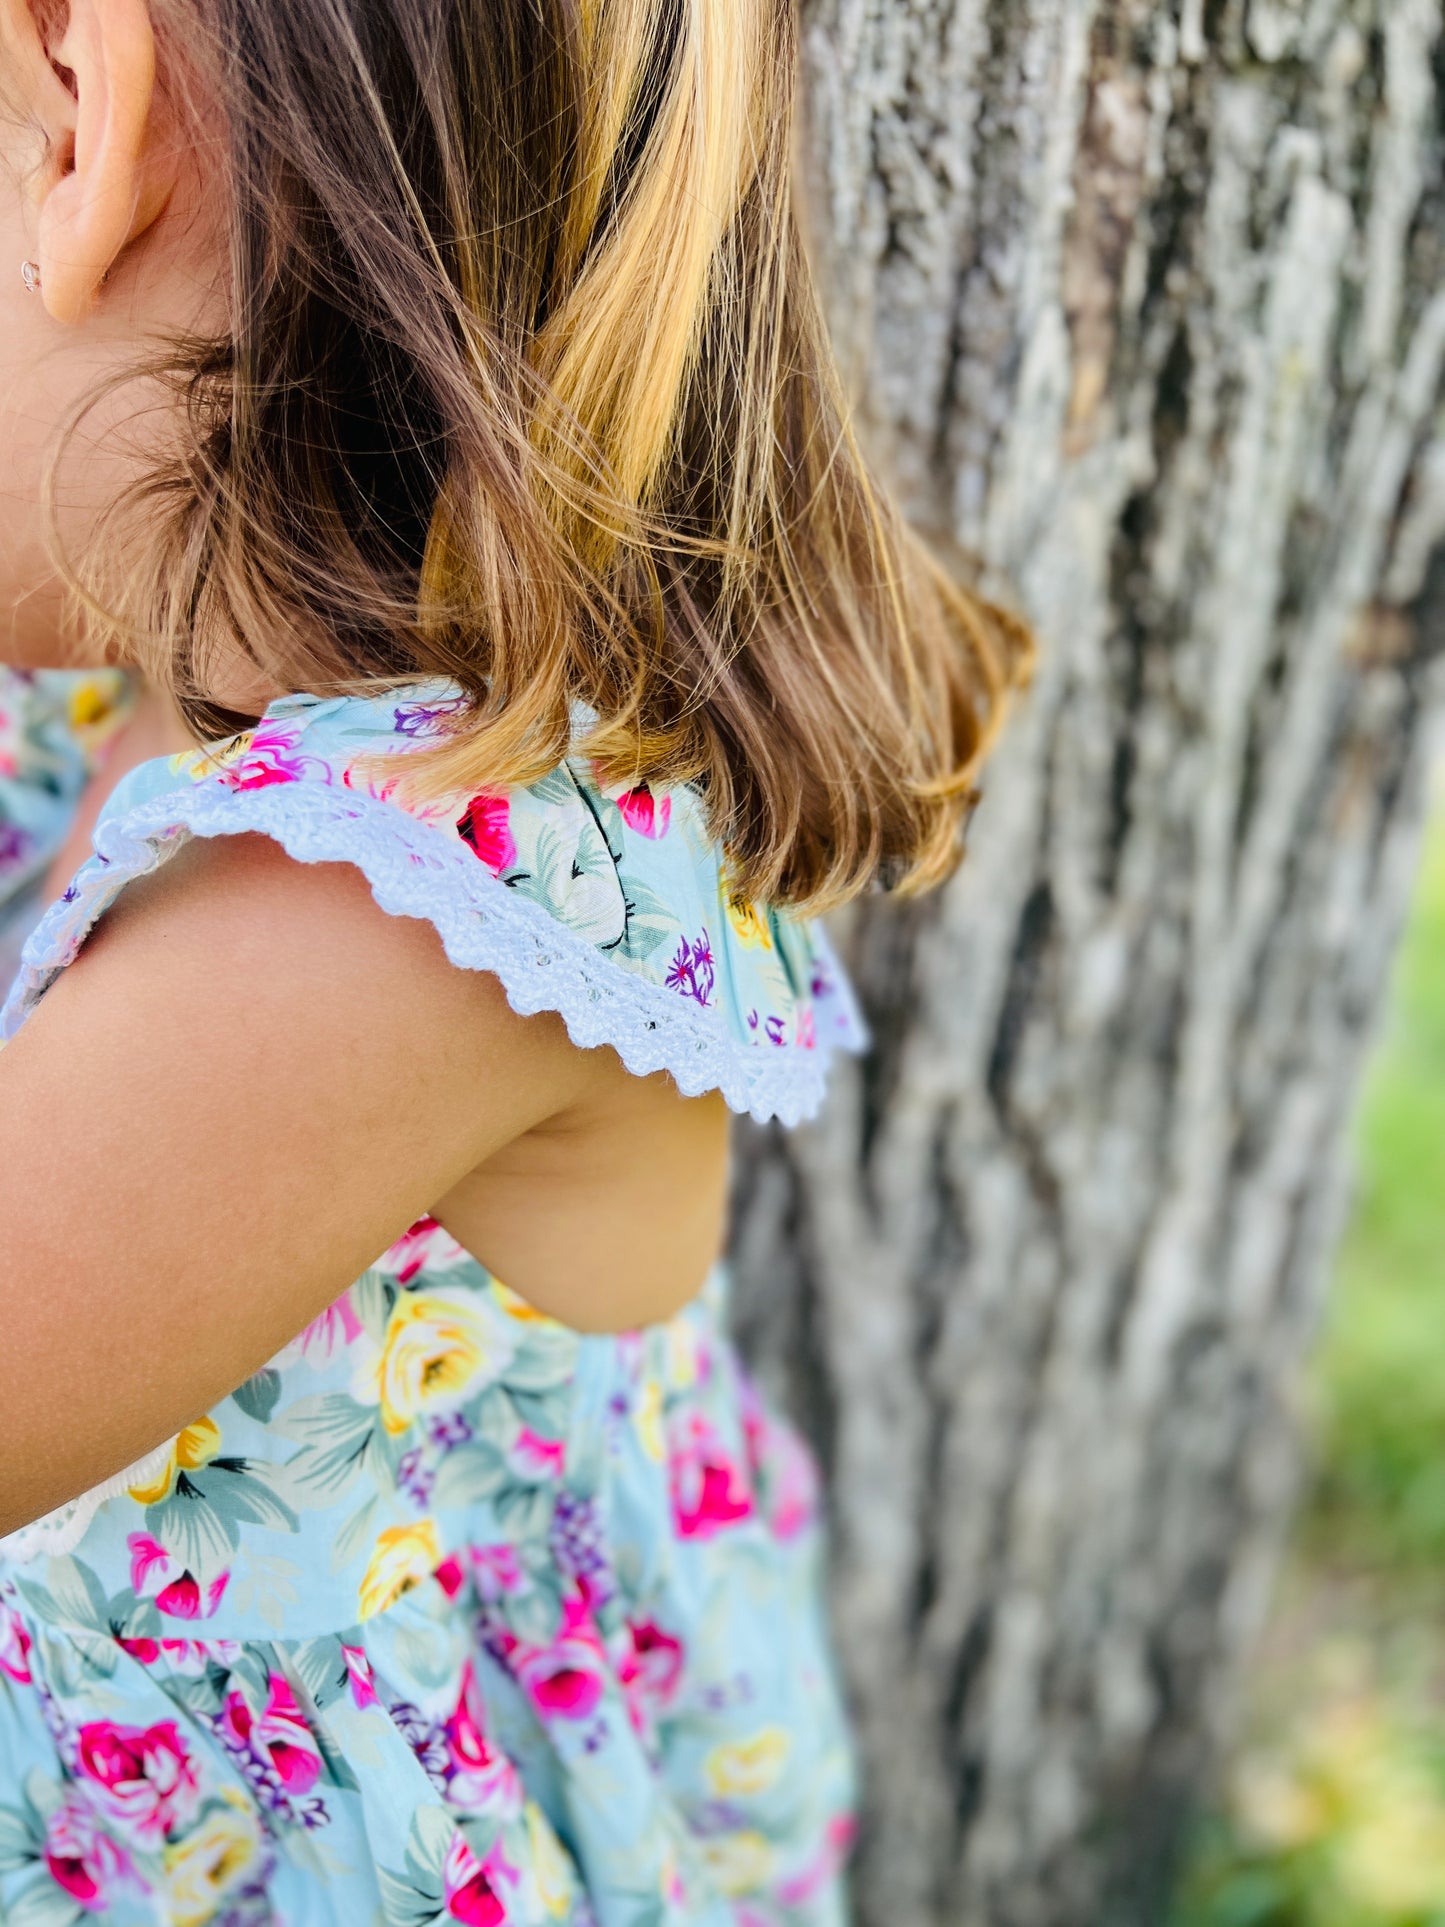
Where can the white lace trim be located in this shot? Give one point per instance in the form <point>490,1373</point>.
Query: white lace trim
<point>415,870</point>
<point>61,1531</point>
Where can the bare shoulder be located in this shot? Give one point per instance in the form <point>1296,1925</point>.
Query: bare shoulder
<point>250,1082</point>
<point>298,960</point>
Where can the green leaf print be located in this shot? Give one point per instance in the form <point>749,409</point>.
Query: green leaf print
<point>319,1665</point>
<point>238,1494</point>
<point>353,1536</point>
<point>44,1904</point>
<point>650,923</point>
<point>71,1594</point>
<point>337,1444</point>
<point>257,1397</point>
<point>371,1298</point>
<point>21,1837</point>
<point>193,1532</point>
<point>471,1472</point>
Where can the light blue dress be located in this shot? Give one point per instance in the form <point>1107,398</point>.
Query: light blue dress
<point>452,1613</point>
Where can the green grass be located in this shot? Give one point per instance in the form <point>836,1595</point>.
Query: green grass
<point>1334,1810</point>
<point>1381,1368</point>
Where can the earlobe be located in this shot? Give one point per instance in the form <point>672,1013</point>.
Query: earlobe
<point>106,188</point>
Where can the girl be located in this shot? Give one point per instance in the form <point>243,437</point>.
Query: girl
<point>427,396</point>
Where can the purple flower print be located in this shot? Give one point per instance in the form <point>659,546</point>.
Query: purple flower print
<point>447,1430</point>
<point>415,1478</point>
<point>693,972</point>
<point>426,1738</point>
<point>14,847</point>
<point>776,1028</point>
<point>427,719</point>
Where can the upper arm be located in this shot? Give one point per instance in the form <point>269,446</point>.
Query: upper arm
<point>247,1086</point>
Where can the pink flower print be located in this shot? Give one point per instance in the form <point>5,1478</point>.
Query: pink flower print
<point>336,1328</point>
<point>693,972</point>
<point>86,1863</point>
<point>807,1036</point>
<point>451,1574</point>
<point>283,1732</point>
<point>485,825</point>
<point>641,811</point>
<point>470,1885</point>
<point>146,1554</point>
<point>533,1457</point>
<point>181,1599</point>
<point>180,1596</point>
<point>498,1570</point>
<point>479,1778</point>
<point>145,1651</point>
<point>193,1656</point>
<point>825,1865</point>
<point>269,757</point>
<point>358,1667</point>
<point>279,1735</point>
<point>564,1678</point>
<point>782,1466</point>
<point>143,1777</point>
<point>709,1489</point>
<point>649,1672</point>
<point>426,1247</point>
<point>14,1646</point>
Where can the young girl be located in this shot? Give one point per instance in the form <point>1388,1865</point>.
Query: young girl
<point>428,398</point>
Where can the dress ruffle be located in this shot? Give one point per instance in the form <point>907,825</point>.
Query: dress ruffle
<point>629,931</point>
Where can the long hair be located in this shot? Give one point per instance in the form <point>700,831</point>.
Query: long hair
<point>525,385</point>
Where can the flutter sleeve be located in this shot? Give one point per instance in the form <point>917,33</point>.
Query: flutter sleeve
<point>612,906</point>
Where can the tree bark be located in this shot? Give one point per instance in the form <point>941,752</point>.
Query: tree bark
<point>1146,310</point>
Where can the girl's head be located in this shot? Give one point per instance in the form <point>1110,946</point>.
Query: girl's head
<point>475,338</point>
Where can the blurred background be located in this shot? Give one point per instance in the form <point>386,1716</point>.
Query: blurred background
<point>1332,1810</point>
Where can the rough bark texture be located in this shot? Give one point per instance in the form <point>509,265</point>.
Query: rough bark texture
<point>1148,313</point>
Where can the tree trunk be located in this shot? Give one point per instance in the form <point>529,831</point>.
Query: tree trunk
<point>1148,314</point>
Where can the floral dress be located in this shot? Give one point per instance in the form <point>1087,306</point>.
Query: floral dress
<point>54,727</point>
<point>452,1613</point>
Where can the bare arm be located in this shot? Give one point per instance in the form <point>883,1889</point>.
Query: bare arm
<point>248,1085</point>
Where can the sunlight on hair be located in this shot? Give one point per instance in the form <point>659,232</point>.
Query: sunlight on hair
<point>527,387</point>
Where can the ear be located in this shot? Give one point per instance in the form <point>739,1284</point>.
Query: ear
<point>107,180</point>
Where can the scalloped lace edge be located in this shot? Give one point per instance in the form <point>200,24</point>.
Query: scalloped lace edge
<point>415,871</point>
<point>62,1530</point>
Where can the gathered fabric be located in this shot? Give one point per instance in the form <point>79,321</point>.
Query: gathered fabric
<point>452,1613</point>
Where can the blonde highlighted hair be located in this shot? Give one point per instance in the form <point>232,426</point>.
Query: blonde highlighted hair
<point>525,385</point>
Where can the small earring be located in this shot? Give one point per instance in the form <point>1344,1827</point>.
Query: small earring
<point>30,275</point>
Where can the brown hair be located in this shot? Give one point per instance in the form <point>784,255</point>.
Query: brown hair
<point>526,386</point>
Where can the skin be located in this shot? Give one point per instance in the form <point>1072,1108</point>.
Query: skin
<point>195,1156</point>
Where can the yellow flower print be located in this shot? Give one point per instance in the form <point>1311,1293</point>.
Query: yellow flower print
<point>649,1421</point>
<point>98,706</point>
<point>438,1345</point>
<point>190,1450</point>
<point>740,1863</point>
<point>748,922</point>
<point>516,1306</point>
<point>550,1866</point>
<point>681,1354</point>
<point>401,1558</point>
<point>748,1766</point>
<point>201,763</point>
<point>204,1867</point>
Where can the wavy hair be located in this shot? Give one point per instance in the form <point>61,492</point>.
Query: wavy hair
<point>525,385</point>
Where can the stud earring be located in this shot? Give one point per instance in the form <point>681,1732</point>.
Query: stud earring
<point>30,275</point>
